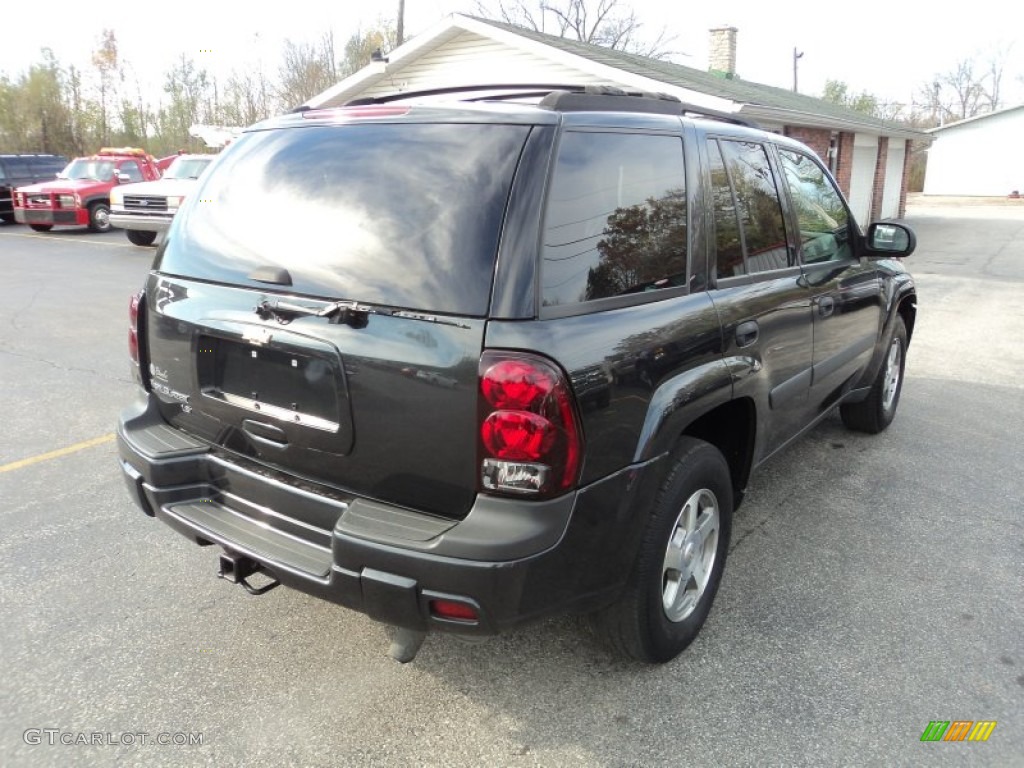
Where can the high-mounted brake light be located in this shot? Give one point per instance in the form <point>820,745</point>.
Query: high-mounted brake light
<point>530,438</point>
<point>354,113</point>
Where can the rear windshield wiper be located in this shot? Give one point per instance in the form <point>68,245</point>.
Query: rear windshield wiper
<point>348,312</point>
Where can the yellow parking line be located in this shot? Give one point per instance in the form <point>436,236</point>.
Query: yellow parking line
<point>56,454</point>
<point>68,240</point>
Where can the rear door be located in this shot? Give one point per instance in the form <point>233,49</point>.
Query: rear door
<point>759,291</point>
<point>250,349</point>
<point>846,295</point>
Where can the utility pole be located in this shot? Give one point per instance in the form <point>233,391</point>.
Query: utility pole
<point>796,57</point>
<point>400,32</point>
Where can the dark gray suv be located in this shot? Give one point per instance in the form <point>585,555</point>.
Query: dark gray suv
<point>492,360</point>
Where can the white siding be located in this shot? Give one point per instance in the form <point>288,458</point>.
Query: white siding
<point>981,157</point>
<point>862,176</point>
<point>471,59</point>
<point>893,179</point>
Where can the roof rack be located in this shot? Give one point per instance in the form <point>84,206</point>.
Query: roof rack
<point>606,98</point>
<point>570,98</point>
<point>488,93</point>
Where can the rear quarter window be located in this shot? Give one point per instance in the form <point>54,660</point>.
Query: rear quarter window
<point>616,217</point>
<point>406,215</point>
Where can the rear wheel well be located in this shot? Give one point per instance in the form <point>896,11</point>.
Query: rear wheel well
<point>731,429</point>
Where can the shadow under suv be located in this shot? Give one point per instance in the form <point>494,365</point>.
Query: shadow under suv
<point>518,359</point>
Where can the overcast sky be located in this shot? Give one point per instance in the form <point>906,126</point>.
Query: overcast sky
<point>887,47</point>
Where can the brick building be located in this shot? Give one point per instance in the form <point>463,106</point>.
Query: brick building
<point>867,156</point>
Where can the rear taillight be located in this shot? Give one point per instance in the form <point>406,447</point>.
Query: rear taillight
<point>529,434</point>
<point>133,327</point>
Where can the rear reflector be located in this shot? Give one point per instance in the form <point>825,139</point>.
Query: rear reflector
<point>453,611</point>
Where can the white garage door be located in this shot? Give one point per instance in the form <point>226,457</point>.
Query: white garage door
<point>862,176</point>
<point>893,179</point>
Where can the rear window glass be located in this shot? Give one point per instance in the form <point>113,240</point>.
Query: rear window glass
<point>405,215</point>
<point>17,167</point>
<point>48,166</point>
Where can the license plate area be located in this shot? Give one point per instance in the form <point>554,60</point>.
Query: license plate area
<point>290,387</point>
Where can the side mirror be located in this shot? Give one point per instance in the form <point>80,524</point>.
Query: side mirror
<point>122,177</point>
<point>890,239</point>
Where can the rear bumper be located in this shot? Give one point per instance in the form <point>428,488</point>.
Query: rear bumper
<point>511,560</point>
<point>140,221</point>
<point>50,216</point>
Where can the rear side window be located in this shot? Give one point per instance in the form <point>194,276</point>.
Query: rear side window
<point>405,215</point>
<point>749,230</point>
<point>616,217</point>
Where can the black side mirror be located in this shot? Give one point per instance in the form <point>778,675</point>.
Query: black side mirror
<point>889,239</point>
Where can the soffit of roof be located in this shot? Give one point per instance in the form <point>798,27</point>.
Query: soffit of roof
<point>446,31</point>
<point>370,75</point>
<point>754,99</point>
<point>700,88</point>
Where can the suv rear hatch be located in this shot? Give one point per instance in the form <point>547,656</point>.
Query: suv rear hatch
<point>319,305</point>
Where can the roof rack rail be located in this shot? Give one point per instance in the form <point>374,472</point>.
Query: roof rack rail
<point>570,98</point>
<point>612,99</point>
<point>515,90</point>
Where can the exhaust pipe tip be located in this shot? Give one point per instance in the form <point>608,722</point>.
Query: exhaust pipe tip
<point>405,644</point>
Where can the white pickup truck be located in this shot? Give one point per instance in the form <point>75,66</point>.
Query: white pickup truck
<point>145,209</point>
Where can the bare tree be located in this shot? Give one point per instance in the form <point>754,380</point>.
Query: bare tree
<point>306,70</point>
<point>105,61</point>
<point>361,46</point>
<point>995,65</point>
<point>608,23</point>
<point>971,87</point>
<point>965,89</point>
<point>244,99</point>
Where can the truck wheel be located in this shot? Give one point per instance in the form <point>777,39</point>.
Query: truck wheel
<point>99,217</point>
<point>680,562</point>
<point>8,218</point>
<point>877,410</point>
<point>139,237</point>
<point>41,227</point>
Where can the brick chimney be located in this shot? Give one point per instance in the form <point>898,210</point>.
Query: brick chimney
<point>722,55</point>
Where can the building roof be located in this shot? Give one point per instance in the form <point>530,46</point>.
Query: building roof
<point>736,89</point>
<point>751,100</point>
<point>974,119</point>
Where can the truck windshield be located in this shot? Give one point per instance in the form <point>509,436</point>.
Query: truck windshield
<point>84,168</point>
<point>187,167</point>
<point>400,214</point>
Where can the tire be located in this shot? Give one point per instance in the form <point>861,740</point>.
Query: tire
<point>8,218</point>
<point>99,217</point>
<point>139,237</point>
<point>41,227</point>
<point>878,409</point>
<point>666,600</point>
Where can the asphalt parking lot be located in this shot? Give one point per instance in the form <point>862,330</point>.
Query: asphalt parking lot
<point>874,584</point>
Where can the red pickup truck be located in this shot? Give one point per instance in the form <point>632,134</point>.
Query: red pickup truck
<point>81,192</point>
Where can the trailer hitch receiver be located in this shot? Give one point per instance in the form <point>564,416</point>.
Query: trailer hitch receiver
<point>238,569</point>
